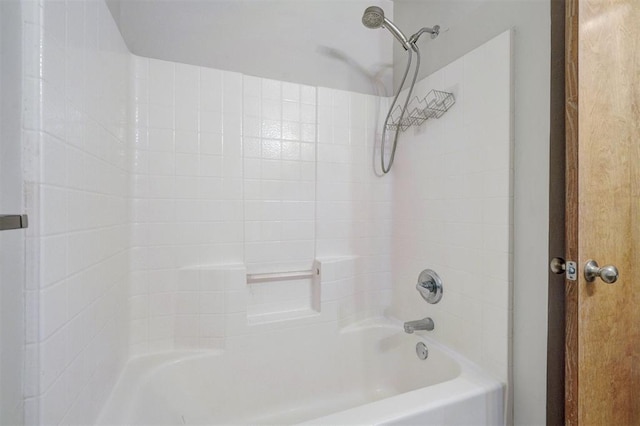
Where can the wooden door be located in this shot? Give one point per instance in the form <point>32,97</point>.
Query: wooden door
<point>603,211</point>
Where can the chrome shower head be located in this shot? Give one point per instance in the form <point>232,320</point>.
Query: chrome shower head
<point>373,18</point>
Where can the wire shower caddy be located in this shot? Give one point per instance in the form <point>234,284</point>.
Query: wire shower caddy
<point>433,105</point>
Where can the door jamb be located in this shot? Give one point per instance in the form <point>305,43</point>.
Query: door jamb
<point>571,220</point>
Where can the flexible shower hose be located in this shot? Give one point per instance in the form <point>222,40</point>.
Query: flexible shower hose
<point>387,168</point>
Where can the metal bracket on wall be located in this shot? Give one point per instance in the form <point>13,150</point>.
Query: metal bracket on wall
<point>13,221</point>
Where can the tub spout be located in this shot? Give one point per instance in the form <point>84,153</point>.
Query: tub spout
<point>422,324</point>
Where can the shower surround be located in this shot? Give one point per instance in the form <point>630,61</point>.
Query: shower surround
<point>155,187</point>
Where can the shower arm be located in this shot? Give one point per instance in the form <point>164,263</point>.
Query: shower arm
<point>435,31</point>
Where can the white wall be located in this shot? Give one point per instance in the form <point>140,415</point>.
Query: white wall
<point>469,24</point>
<point>76,166</point>
<point>318,43</point>
<point>11,202</point>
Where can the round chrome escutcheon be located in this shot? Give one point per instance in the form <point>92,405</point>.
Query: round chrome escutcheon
<point>430,286</point>
<point>422,351</point>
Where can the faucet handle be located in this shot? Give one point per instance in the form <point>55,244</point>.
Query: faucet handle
<point>430,286</point>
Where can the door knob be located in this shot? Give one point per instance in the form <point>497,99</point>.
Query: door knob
<point>608,273</point>
<point>558,265</point>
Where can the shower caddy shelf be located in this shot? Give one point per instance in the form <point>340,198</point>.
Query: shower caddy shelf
<point>433,105</point>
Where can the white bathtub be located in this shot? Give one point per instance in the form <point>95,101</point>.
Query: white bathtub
<point>365,374</point>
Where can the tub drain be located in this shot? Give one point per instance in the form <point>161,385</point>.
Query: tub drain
<point>422,351</point>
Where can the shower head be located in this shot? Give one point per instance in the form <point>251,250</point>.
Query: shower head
<point>373,18</point>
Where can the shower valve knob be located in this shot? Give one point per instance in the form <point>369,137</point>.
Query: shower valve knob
<point>429,286</point>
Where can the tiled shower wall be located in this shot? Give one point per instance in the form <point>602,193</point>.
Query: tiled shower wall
<point>453,208</point>
<point>76,172</point>
<point>236,174</point>
<point>278,137</point>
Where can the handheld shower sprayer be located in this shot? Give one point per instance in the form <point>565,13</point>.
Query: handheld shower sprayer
<point>373,18</point>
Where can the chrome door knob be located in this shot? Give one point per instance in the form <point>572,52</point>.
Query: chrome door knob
<point>608,273</point>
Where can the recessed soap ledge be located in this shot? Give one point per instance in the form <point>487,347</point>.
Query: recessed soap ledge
<point>283,295</point>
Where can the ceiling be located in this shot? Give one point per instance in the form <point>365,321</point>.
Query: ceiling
<point>315,42</point>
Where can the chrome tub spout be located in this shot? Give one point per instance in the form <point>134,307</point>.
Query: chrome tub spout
<point>421,324</point>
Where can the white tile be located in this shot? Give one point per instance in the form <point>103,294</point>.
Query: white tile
<point>271,149</point>
<point>211,89</point>
<point>496,184</point>
<point>271,109</point>
<point>187,303</point>
<point>212,326</point>
<point>251,126</point>
<point>162,163</point>
<point>307,114</point>
<point>186,141</point>
<point>188,279</point>
<point>271,89</point>
<point>497,237</point>
<point>161,140</point>
<point>53,353</point>
<point>290,92</point>
<point>160,328</point>
<point>235,301</point>
<point>187,86</point>
<point>496,211</point>
<point>251,86</point>
<point>139,307</point>
<point>53,308</point>
<point>54,402</point>
<point>162,280</point>
<point>308,95</point>
<point>140,67</point>
<point>53,260</point>
<point>187,118</point>
<point>210,121</point>
<point>186,326</point>
<point>211,302</point>
<point>54,161</point>
<point>271,129</point>
<point>211,143</point>
<point>161,82</point>
<point>210,165</point>
<point>162,117</point>
<point>186,165</point>
<point>139,331</point>
<point>53,210</point>
<point>291,130</point>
